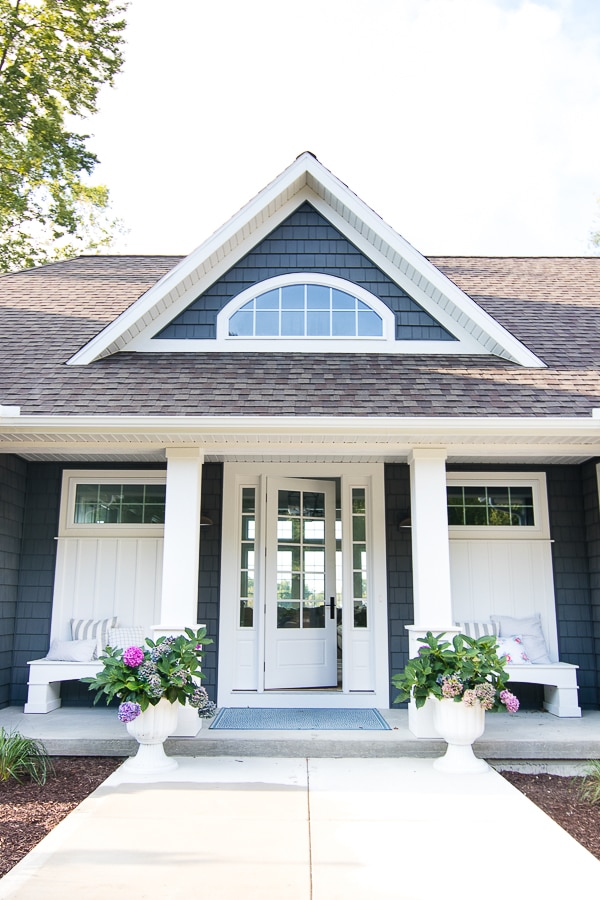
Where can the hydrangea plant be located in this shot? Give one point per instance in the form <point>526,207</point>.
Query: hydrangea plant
<point>141,676</point>
<point>466,670</point>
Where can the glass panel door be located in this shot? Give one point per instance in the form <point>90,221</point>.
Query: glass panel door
<point>300,647</point>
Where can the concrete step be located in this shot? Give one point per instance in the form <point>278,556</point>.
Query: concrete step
<point>526,736</point>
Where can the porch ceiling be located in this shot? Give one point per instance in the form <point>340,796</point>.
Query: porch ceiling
<point>300,439</point>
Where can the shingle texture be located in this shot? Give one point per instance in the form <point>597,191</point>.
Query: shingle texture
<point>305,242</point>
<point>552,305</point>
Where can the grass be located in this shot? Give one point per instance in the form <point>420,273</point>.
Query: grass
<point>22,757</point>
<point>590,787</point>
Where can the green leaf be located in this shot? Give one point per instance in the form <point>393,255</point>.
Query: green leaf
<point>54,59</point>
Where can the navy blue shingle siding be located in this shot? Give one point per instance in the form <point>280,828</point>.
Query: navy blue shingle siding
<point>305,242</point>
<point>13,473</point>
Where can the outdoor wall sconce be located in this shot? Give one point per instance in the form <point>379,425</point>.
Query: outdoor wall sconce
<point>403,519</point>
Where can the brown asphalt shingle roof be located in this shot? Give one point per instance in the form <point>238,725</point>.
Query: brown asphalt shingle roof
<point>552,305</point>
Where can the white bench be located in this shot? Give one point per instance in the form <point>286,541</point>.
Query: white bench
<point>45,676</point>
<point>560,685</point>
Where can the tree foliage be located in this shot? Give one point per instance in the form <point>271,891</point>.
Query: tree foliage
<point>55,55</point>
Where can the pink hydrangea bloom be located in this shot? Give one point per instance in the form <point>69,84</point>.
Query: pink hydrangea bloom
<point>451,686</point>
<point>510,701</point>
<point>133,656</point>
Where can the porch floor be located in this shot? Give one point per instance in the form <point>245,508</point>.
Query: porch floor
<point>531,738</point>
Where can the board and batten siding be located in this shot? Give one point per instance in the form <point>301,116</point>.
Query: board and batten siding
<point>98,577</point>
<point>504,577</point>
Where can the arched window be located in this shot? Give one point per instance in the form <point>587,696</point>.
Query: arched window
<point>309,307</point>
<point>305,310</point>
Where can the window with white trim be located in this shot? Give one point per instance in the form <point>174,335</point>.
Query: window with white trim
<point>306,310</point>
<point>103,502</point>
<point>508,503</point>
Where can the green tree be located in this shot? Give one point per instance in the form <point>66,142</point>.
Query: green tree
<point>55,55</point>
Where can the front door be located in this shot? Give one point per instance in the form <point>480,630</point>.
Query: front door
<point>300,606</point>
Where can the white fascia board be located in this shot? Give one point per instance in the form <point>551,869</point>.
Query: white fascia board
<point>306,179</point>
<point>424,427</point>
<point>433,277</point>
<point>187,268</point>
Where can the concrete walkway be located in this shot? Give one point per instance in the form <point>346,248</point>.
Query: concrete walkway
<point>306,829</point>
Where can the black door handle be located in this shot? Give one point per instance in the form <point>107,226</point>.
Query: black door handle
<point>332,607</point>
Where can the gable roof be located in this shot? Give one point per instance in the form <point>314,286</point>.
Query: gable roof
<point>306,180</point>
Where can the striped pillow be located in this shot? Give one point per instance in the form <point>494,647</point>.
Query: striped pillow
<point>477,629</point>
<point>86,629</point>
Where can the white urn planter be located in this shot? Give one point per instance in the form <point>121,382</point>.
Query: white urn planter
<point>459,725</point>
<point>151,729</point>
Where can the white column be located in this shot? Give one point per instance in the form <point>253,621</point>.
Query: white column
<point>430,544</point>
<point>181,554</point>
<point>181,558</point>
<point>431,563</point>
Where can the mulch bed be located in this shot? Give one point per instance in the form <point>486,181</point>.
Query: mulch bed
<point>29,811</point>
<point>558,797</point>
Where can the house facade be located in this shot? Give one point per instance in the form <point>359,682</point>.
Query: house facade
<point>308,437</point>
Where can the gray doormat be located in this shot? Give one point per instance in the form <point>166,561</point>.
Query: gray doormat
<point>300,719</point>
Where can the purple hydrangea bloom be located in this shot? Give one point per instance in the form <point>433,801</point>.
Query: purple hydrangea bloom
<point>133,656</point>
<point>129,711</point>
<point>199,698</point>
<point>486,694</point>
<point>146,671</point>
<point>510,701</point>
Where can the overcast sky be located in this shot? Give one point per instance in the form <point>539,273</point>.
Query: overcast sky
<point>470,126</point>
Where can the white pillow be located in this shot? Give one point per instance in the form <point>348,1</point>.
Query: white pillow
<point>85,629</point>
<point>72,651</point>
<point>530,629</point>
<point>133,636</point>
<point>476,629</point>
<point>513,651</point>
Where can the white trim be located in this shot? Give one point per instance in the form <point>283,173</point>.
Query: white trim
<point>73,477</point>
<point>309,345</point>
<point>536,480</point>
<point>425,426</point>
<point>306,179</point>
<point>97,439</point>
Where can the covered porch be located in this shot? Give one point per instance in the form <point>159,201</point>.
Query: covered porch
<point>405,578</point>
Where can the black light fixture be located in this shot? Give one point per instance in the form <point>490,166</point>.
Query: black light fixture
<point>403,519</point>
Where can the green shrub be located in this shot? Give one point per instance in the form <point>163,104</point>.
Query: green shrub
<point>590,786</point>
<point>21,756</point>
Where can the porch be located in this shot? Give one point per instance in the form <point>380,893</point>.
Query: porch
<point>524,739</point>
